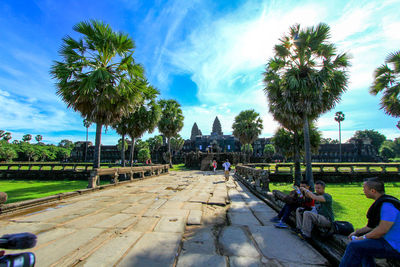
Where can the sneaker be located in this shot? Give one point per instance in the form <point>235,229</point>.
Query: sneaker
<point>275,219</point>
<point>281,225</point>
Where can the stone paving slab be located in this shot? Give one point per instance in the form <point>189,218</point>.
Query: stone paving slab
<point>111,252</point>
<point>201,260</point>
<point>235,242</point>
<point>235,261</point>
<point>171,224</point>
<point>289,250</point>
<point>199,241</point>
<point>51,253</point>
<point>192,206</point>
<point>113,221</point>
<point>194,217</point>
<point>243,218</point>
<point>153,249</point>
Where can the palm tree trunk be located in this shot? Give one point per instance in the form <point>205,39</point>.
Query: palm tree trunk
<point>307,147</point>
<point>97,150</point>
<point>123,151</point>
<point>169,151</point>
<point>87,137</point>
<point>132,152</point>
<point>297,168</point>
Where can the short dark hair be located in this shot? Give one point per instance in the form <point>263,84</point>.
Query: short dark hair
<point>304,182</point>
<point>321,183</point>
<point>375,183</point>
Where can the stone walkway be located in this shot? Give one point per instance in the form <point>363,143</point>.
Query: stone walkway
<point>180,219</point>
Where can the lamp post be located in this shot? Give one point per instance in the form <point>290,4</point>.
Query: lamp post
<point>339,117</point>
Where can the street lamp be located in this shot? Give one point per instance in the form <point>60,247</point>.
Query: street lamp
<point>339,117</point>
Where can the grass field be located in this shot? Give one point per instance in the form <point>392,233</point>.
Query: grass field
<point>349,201</point>
<point>29,189</point>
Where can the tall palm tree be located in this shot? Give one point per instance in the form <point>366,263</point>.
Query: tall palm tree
<point>307,70</point>
<point>339,117</point>
<point>171,121</point>
<point>144,119</point>
<point>247,126</point>
<point>387,80</point>
<point>87,124</point>
<point>98,76</point>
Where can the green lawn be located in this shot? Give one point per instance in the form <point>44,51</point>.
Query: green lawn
<point>29,189</point>
<point>349,201</point>
<point>178,167</point>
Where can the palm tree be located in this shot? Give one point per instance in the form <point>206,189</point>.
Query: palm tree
<point>27,138</point>
<point>38,138</point>
<point>387,80</point>
<point>171,121</point>
<point>339,117</point>
<point>7,136</point>
<point>144,119</point>
<point>87,124</point>
<point>155,143</point>
<point>307,71</point>
<point>247,127</point>
<point>98,76</point>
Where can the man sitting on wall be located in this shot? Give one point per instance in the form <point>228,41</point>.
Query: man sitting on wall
<point>293,201</point>
<point>381,237</point>
<point>322,216</point>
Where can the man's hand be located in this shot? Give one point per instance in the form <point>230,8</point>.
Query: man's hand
<point>352,234</point>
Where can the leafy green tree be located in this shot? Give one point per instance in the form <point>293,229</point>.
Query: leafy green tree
<point>26,138</point>
<point>247,148</point>
<point>143,155</point>
<point>155,143</point>
<point>269,151</point>
<point>171,121</point>
<point>140,144</point>
<point>397,146</point>
<point>177,143</point>
<point>388,149</point>
<point>144,119</point>
<point>329,141</point>
<point>66,144</point>
<point>387,81</point>
<point>98,76</point>
<point>307,72</point>
<point>63,153</point>
<point>376,138</point>
<point>7,151</point>
<point>38,138</point>
<point>247,126</point>
<point>15,142</point>
<point>2,132</point>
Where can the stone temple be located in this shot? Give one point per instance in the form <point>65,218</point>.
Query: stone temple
<point>218,142</point>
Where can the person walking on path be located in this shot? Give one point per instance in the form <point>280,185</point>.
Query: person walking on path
<point>380,238</point>
<point>214,164</point>
<point>227,167</point>
<point>323,217</point>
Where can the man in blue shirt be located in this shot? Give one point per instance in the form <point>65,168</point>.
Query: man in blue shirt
<point>381,237</point>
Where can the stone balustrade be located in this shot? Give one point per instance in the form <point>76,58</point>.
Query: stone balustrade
<point>258,178</point>
<point>94,179</point>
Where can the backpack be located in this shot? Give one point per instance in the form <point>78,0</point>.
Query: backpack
<point>337,227</point>
<point>342,227</point>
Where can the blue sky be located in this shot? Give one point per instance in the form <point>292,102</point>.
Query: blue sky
<point>208,55</point>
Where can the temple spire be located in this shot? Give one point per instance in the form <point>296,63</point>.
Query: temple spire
<point>216,129</point>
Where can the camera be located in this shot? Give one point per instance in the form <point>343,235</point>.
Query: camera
<point>18,241</point>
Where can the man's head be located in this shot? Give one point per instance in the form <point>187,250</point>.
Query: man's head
<point>373,188</point>
<point>320,187</point>
<point>304,184</point>
<point>227,160</point>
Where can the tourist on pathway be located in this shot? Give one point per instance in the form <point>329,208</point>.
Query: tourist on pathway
<point>214,164</point>
<point>381,237</point>
<point>323,217</point>
<point>227,167</point>
<point>294,200</point>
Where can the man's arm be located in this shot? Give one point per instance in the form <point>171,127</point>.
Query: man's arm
<point>361,231</point>
<point>379,231</point>
<point>311,195</point>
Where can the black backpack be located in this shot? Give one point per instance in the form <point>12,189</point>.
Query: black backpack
<point>338,227</point>
<point>342,227</point>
